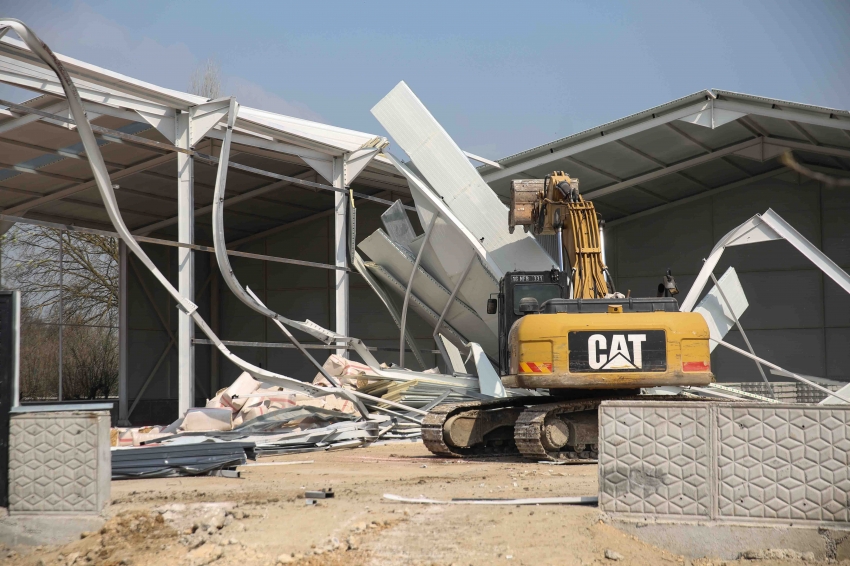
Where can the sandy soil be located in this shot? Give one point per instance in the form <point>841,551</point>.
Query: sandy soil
<point>263,519</point>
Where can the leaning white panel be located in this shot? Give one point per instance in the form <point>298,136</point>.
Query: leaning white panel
<point>450,248</point>
<point>716,312</point>
<point>455,180</point>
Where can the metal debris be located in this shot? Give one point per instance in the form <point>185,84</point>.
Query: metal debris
<point>576,500</point>
<point>178,459</point>
<point>326,493</point>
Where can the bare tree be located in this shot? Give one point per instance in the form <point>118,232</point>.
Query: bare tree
<point>89,363</point>
<point>86,278</point>
<point>206,80</point>
<point>88,273</point>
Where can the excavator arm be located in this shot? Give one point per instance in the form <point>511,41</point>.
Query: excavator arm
<point>553,206</point>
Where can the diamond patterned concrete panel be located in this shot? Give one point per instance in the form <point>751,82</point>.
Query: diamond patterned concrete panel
<point>725,462</point>
<point>655,459</point>
<point>59,462</point>
<point>785,465</point>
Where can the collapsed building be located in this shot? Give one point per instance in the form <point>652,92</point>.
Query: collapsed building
<point>668,182</point>
<point>318,240</point>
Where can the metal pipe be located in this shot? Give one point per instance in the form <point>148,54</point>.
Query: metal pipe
<point>559,235</point>
<point>61,306</point>
<point>744,334</point>
<point>448,305</point>
<point>410,286</point>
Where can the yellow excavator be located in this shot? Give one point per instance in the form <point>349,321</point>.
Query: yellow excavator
<point>569,333</point>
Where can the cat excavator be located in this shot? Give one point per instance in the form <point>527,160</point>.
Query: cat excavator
<point>569,334</point>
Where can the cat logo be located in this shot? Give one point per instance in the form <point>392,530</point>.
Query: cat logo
<point>618,357</point>
<point>611,351</point>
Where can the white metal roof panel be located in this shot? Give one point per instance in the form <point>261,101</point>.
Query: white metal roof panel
<point>455,180</point>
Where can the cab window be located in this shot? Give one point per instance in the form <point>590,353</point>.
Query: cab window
<point>540,292</point>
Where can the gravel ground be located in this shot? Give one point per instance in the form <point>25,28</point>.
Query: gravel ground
<point>263,518</point>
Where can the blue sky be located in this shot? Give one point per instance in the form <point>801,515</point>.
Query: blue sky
<point>500,76</point>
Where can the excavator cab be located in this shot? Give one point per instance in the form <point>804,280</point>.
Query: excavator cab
<point>522,293</point>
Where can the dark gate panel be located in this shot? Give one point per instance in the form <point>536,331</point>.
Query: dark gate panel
<point>7,345</point>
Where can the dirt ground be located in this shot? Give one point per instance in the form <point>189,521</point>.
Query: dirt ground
<point>263,519</point>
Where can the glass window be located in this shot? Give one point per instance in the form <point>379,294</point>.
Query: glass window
<point>540,292</point>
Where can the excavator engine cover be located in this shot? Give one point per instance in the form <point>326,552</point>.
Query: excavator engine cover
<point>613,349</point>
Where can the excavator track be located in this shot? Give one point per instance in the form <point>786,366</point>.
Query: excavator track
<point>434,422</point>
<point>529,432</point>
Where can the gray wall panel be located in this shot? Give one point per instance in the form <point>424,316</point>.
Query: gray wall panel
<point>836,304</point>
<point>838,353</point>
<point>651,245</point>
<point>796,350</point>
<point>782,299</point>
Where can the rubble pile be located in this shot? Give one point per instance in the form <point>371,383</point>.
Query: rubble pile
<point>251,419</point>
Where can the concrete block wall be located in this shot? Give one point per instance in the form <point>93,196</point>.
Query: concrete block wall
<point>59,462</point>
<point>742,463</point>
<point>798,318</point>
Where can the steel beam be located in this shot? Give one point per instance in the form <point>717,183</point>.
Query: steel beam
<point>698,196</point>
<point>293,224</point>
<point>123,335</point>
<point>208,209</point>
<point>73,189</point>
<point>15,123</point>
<point>782,114</point>
<point>340,245</point>
<point>185,267</point>
<point>637,180</point>
<point>545,159</point>
<point>409,289</point>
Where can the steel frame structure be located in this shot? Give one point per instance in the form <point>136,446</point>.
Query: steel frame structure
<point>763,228</point>
<point>185,121</point>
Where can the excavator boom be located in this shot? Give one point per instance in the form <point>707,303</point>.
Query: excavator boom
<point>554,206</point>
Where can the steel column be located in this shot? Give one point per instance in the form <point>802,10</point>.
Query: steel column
<point>185,267</point>
<point>123,335</point>
<point>339,246</point>
<point>61,309</point>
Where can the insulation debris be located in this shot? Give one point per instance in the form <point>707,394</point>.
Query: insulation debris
<point>251,419</point>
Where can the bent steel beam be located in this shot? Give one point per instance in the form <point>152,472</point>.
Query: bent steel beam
<point>446,308</point>
<point>411,342</point>
<point>763,228</point>
<point>104,185</point>
<point>407,291</point>
<point>840,395</point>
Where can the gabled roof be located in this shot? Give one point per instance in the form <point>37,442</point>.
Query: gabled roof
<point>45,176</point>
<point>706,142</point>
<point>114,89</point>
